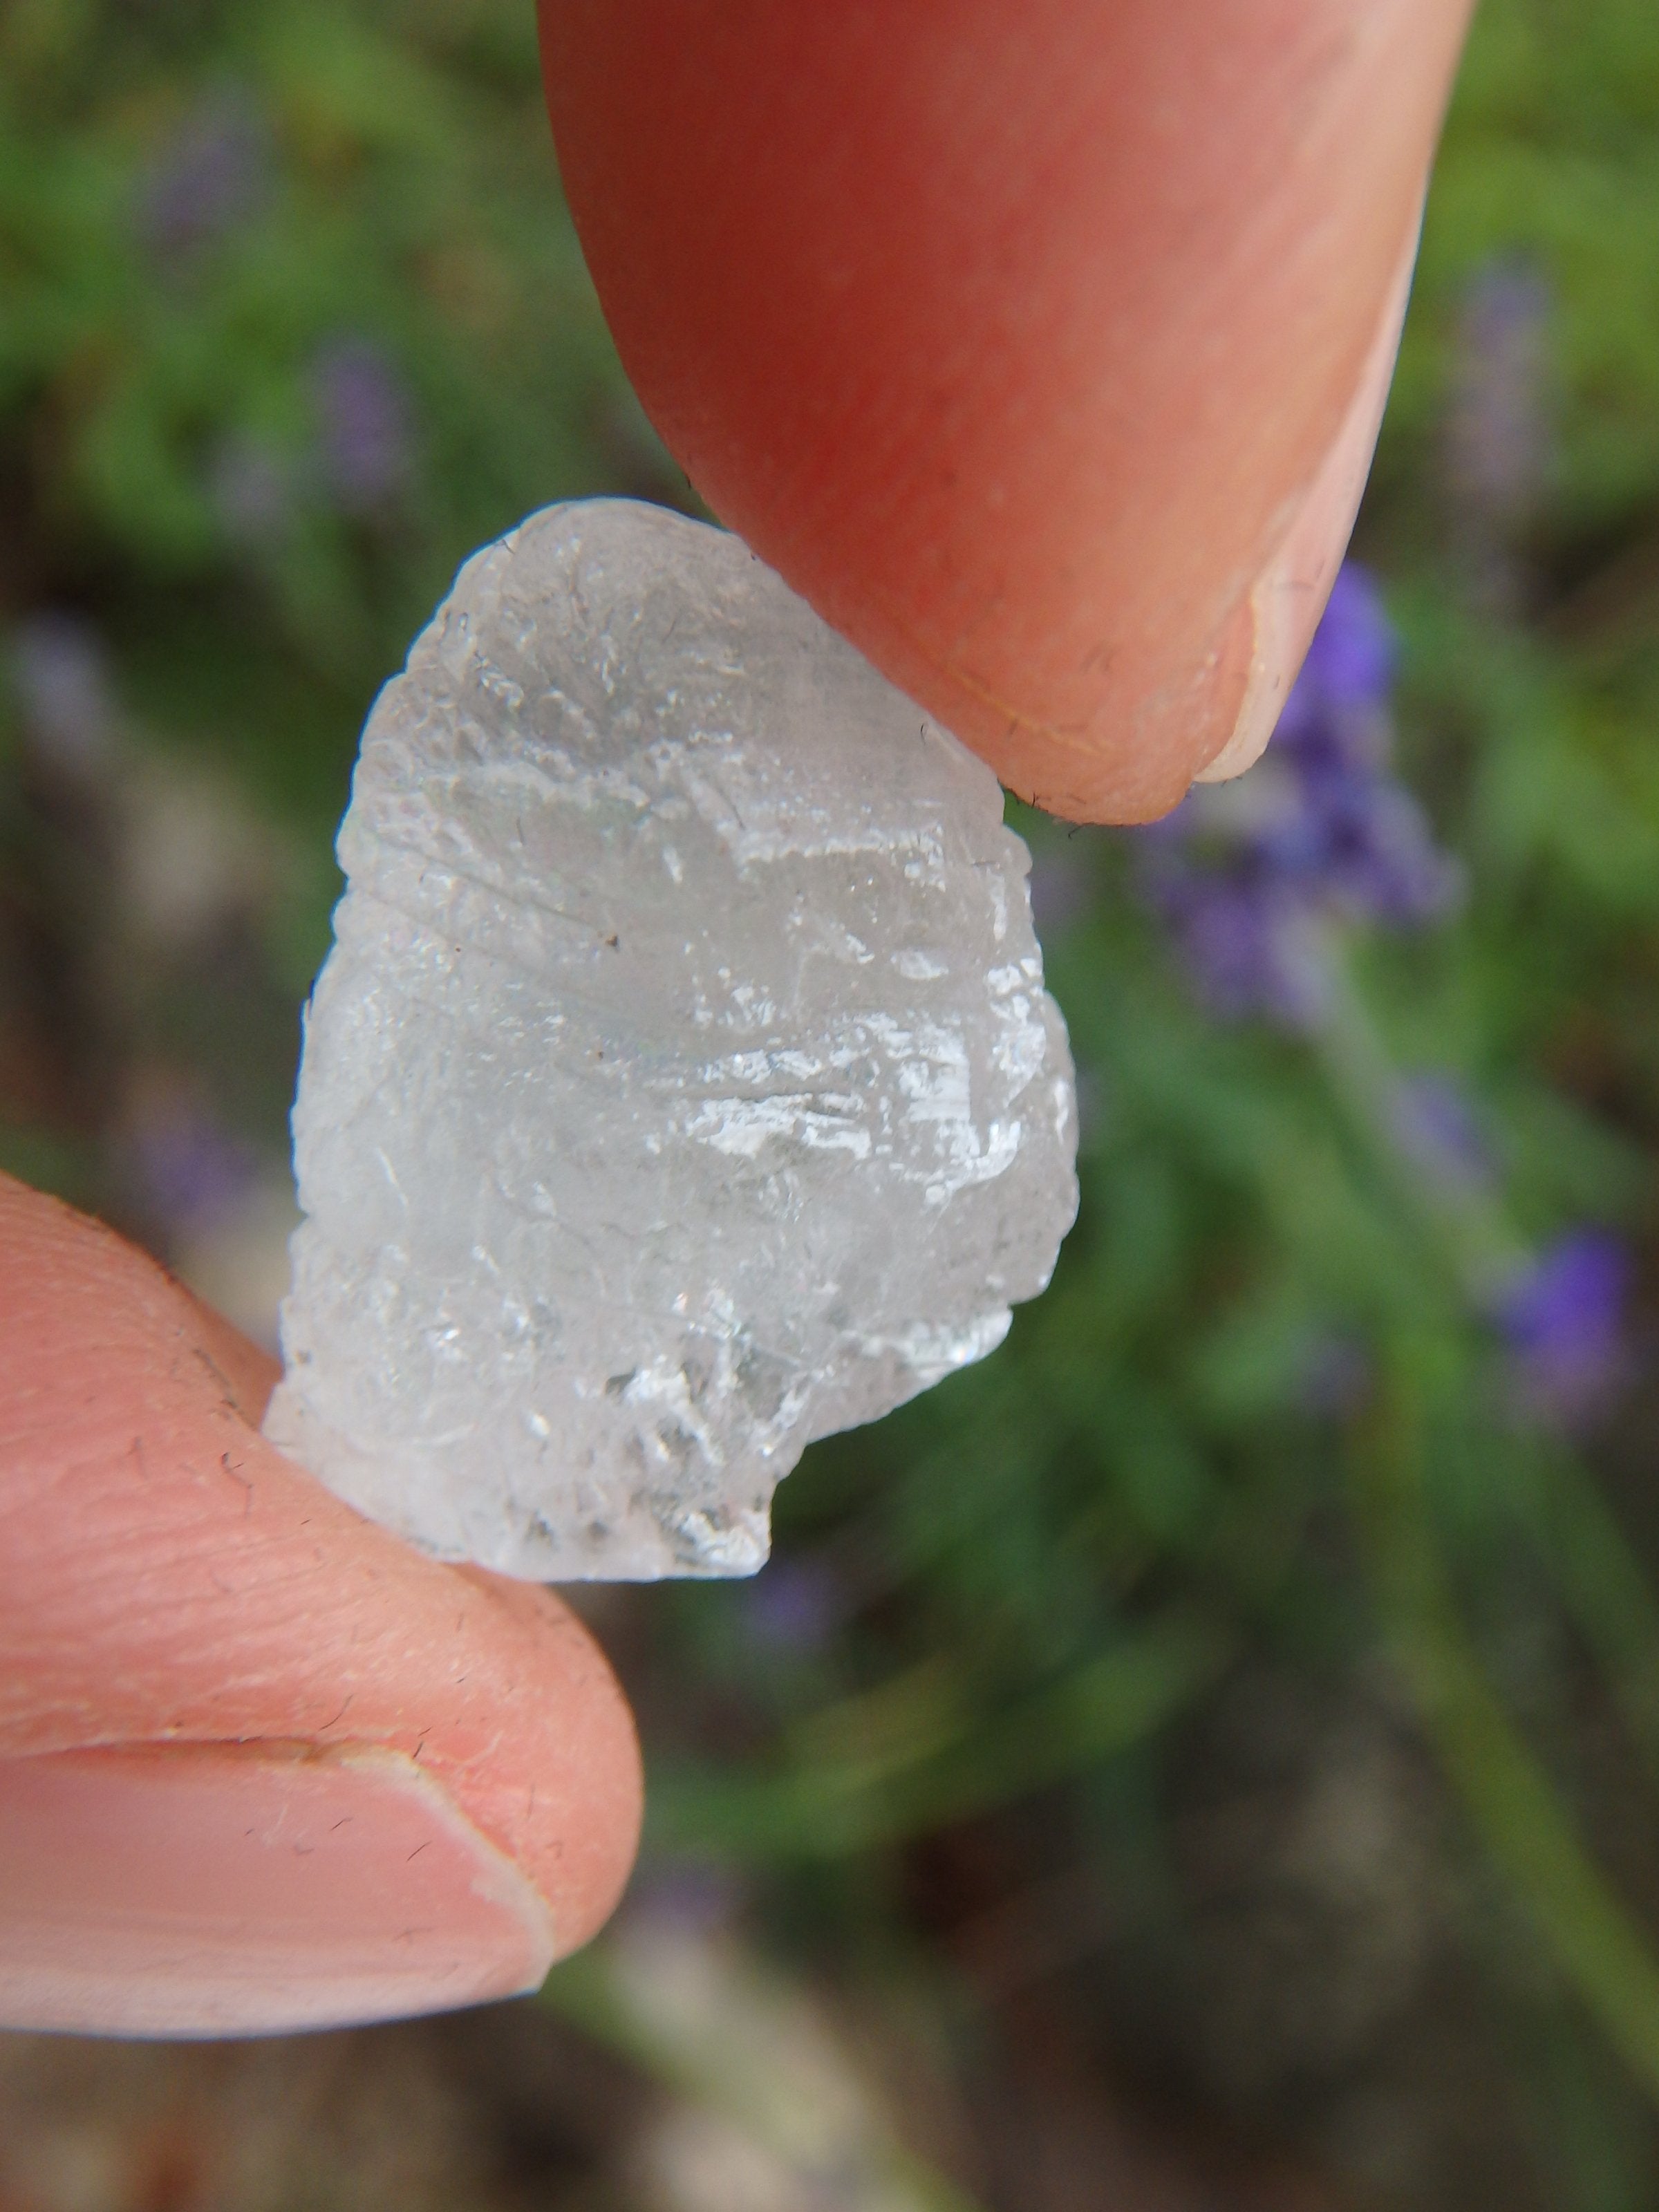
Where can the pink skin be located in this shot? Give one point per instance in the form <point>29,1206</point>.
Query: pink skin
<point>257,1755</point>
<point>1016,335</point>
<point>261,1765</point>
<point>219,1889</point>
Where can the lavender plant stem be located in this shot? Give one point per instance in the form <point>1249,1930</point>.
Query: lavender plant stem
<point>1574,1533</point>
<point>1466,1222</point>
<point>1510,1798</point>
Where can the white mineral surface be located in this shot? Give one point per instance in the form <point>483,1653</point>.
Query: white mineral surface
<point>681,1085</point>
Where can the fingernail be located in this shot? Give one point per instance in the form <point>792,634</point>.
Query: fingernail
<point>1289,596</point>
<point>227,1890</point>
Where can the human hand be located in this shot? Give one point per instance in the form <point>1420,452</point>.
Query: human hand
<point>262,1766</point>
<point>1041,345</point>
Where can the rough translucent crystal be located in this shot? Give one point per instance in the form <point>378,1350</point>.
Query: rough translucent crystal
<point>681,1085</point>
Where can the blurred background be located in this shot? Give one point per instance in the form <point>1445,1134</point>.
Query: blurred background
<point>1208,1756</point>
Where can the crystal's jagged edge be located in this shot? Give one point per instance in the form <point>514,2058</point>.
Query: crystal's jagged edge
<point>681,1085</point>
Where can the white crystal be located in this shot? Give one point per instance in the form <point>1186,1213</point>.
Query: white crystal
<point>681,1085</point>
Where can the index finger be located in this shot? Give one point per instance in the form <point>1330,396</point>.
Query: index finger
<point>1041,345</point>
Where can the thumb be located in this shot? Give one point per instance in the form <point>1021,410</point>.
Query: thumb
<point>1041,345</point>
<point>261,1765</point>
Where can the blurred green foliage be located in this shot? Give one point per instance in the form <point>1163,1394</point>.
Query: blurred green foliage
<point>196,204</point>
<point>1260,1419</point>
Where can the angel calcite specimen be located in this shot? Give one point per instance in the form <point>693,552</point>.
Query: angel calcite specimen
<point>681,1085</point>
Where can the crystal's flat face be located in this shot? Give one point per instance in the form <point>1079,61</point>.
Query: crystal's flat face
<point>681,1086</point>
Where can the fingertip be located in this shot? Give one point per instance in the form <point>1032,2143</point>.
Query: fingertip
<point>167,1578</point>
<point>574,1822</point>
<point>1015,336</point>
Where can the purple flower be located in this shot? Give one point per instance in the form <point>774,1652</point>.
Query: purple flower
<point>363,416</point>
<point>189,1173</point>
<point>1351,661</point>
<point>62,681</point>
<point>1251,874</point>
<point>695,1896</point>
<point>1363,843</point>
<point>794,1605</point>
<point>1496,430</point>
<point>213,175</point>
<point>1563,1321</point>
<point>1250,946</point>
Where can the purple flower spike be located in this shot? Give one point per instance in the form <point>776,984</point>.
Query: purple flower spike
<point>1373,852</point>
<point>189,1174</point>
<point>1248,947</point>
<point>62,680</point>
<point>694,1897</point>
<point>1564,1321</point>
<point>1351,662</point>
<point>1497,430</point>
<point>364,417</point>
<point>794,1605</point>
<point>213,176</point>
<point>1251,876</point>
